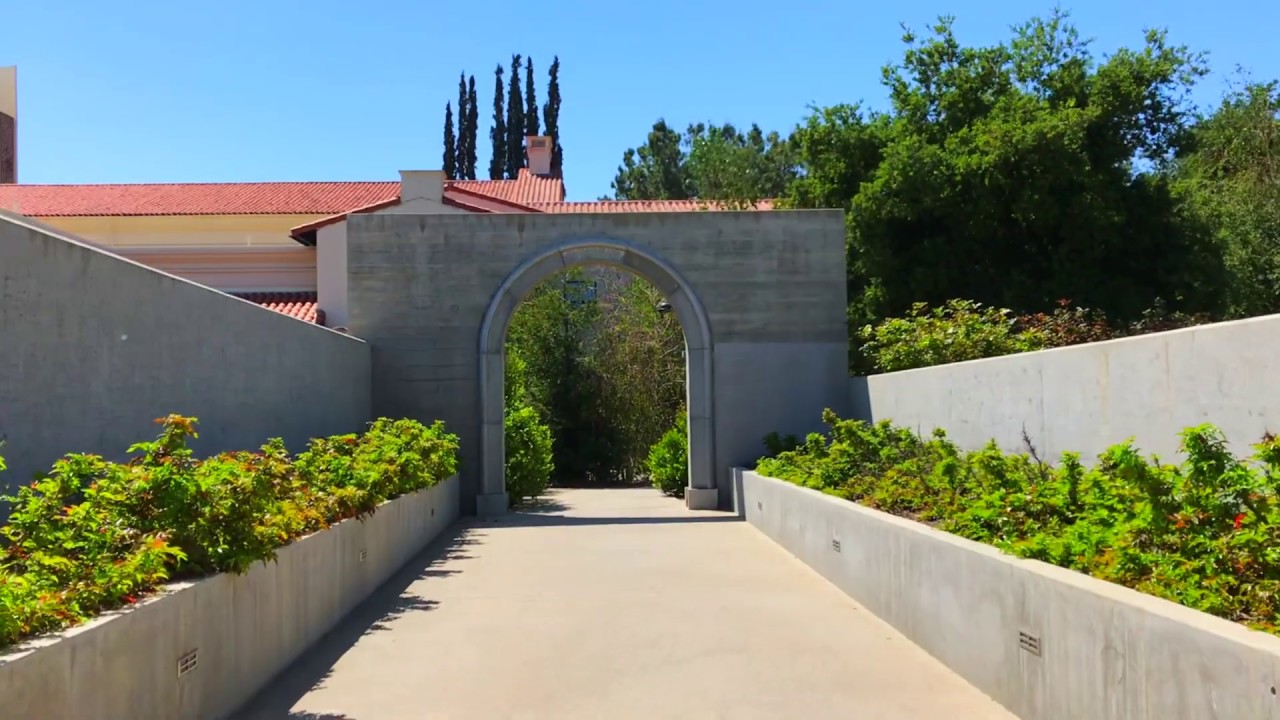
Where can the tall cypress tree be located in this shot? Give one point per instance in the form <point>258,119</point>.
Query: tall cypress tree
<point>498,133</point>
<point>450,144</point>
<point>515,123</point>
<point>473,121</point>
<point>551,118</point>
<point>460,142</point>
<point>530,101</point>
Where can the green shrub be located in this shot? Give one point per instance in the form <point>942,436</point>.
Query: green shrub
<point>957,331</point>
<point>669,459</point>
<point>529,454</point>
<point>91,534</point>
<point>1203,533</point>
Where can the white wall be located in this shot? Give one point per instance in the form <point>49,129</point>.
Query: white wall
<point>331,273</point>
<point>1088,397</point>
<point>1105,652</point>
<point>244,629</point>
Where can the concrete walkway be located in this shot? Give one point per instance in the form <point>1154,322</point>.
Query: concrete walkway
<point>614,604</point>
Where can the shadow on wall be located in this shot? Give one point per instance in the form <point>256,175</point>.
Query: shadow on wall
<point>396,598</point>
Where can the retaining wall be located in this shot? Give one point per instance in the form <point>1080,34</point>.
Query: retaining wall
<point>1086,398</point>
<point>239,631</point>
<point>93,347</point>
<point>1045,642</point>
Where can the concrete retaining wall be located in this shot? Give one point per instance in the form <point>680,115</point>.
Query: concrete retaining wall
<point>1105,651</point>
<point>1088,397</point>
<point>244,629</point>
<point>93,347</point>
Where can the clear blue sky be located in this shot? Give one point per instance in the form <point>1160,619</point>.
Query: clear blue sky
<point>240,90</point>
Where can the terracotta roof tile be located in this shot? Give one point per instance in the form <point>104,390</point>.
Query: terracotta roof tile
<point>268,198</point>
<point>624,206</point>
<point>527,189</point>
<point>300,305</point>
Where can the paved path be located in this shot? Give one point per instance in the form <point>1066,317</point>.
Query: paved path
<point>614,604</point>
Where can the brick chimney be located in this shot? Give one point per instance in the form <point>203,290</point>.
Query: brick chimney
<point>538,149</point>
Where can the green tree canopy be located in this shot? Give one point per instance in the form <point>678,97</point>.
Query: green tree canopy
<point>706,162</point>
<point>1015,174</point>
<point>1229,181</point>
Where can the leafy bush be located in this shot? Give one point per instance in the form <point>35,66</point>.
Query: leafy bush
<point>529,457</point>
<point>965,330</point>
<point>1203,533</point>
<point>91,535</point>
<point>669,459</point>
<point>957,331</point>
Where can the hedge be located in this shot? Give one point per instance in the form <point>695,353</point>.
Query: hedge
<point>92,535</point>
<point>1204,533</point>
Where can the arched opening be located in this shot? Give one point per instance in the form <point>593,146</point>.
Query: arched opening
<point>701,491</point>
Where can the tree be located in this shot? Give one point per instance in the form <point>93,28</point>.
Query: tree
<point>515,123</point>
<point>735,169</point>
<point>1229,184</point>
<point>468,161</point>
<point>1015,175</point>
<point>450,144</point>
<point>530,101</point>
<point>460,152</point>
<point>708,162</point>
<point>551,117</point>
<point>655,170</point>
<point>498,133</point>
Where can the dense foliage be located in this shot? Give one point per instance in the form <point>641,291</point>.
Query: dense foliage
<point>708,162</point>
<point>1203,533</point>
<point>529,458</point>
<point>668,459</point>
<point>1016,173</point>
<point>91,534</point>
<point>603,368</point>
<point>962,330</point>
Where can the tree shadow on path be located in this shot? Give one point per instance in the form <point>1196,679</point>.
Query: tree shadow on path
<point>394,599</point>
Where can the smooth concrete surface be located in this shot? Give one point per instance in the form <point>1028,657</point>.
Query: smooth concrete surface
<point>614,604</point>
<point>244,629</point>
<point>1088,397</point>
<point>771,285</point>
<point>1106,652</point>
<point>94,347</point>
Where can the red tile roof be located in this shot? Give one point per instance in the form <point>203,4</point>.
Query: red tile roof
<point>267,198</point>
<point>300,305</point>
<point>525,190</point>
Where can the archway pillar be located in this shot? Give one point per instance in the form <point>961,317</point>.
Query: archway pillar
<point>492,499</point>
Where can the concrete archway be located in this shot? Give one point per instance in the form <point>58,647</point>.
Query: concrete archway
<point>701,492</point>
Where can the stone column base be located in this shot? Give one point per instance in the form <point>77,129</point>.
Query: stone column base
<point>702,498</point>
<point>490,505</point>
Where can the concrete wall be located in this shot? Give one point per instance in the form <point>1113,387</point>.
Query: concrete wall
<point>1089,397</point>
<point>773,286</point>
<point>244,628</point>
<point>1106,652</point>
<point>94,347</point>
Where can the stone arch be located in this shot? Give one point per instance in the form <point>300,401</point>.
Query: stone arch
<point>701,492</point>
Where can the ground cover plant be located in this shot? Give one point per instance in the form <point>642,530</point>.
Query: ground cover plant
<point>1203,533</point>
<point>91,535</point>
